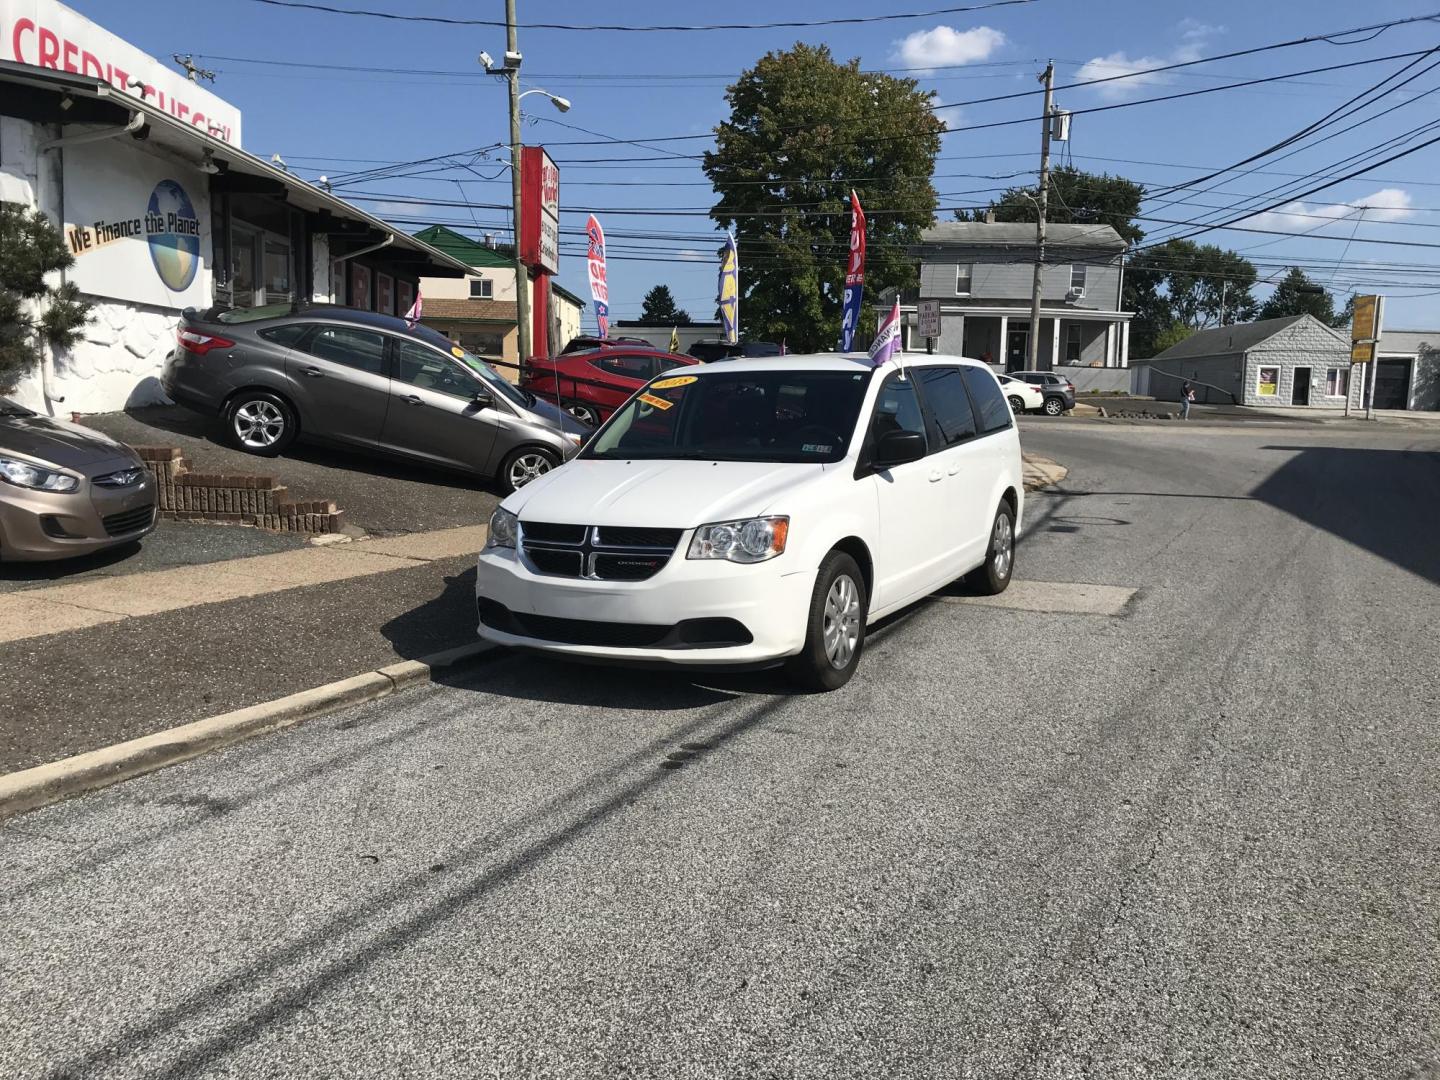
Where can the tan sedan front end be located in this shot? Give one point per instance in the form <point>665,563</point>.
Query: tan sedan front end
<point>67,491</point>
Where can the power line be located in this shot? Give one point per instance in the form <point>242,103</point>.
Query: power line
<point>790,24</point>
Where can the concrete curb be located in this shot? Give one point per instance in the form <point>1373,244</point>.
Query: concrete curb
<point>33,788</point>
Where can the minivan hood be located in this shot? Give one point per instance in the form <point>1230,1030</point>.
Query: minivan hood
<point>659,494</point>
<point>62,444</point>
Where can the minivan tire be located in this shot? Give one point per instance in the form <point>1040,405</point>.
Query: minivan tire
<point>261,423</point>
<point>992,577</point>
<point>524,464</point>
<point>838,604</point>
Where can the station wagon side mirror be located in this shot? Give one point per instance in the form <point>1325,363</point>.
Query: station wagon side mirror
<point>483,399</point>
<point>899,448</point>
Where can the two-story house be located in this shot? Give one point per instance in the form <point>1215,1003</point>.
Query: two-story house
<point>982,273</point>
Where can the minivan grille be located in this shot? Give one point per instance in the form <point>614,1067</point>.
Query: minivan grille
<point>601,552</point>
<point>129,521</point>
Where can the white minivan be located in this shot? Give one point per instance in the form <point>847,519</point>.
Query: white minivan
<point>761,511</point>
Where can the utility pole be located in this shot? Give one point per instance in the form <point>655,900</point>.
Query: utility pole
<point>1033,362</point>
<point>522,277</point>
<point>1224,287</point>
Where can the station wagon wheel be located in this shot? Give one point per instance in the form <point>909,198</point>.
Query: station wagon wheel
<point>525,465</point>
<point>835,627</point>
<point>260,422</point>
<point>586,414</point>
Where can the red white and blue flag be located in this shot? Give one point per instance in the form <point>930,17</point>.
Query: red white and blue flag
<point>595,263</point>
<point>887,341</point>
<point>854,275</point>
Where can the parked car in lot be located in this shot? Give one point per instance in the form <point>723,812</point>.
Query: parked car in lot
<point>591,385</point>
<point>585,342</point>
<point>1023,396</point>
<point>1059,391</point>
<point>713,349</point>
<point>760,513</point>
<point>363,380</point>
<point>66,490</point>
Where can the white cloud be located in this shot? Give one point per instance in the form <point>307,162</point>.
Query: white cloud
<point>1193,38</point>
<point>947,47</point>
<point>1387,204</point>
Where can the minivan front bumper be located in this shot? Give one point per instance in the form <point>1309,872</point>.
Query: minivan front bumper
<point>693,613</point>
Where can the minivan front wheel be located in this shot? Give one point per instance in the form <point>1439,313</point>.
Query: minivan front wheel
<point>260,422</point>
<point>835,627</point>
<point>526,464</point>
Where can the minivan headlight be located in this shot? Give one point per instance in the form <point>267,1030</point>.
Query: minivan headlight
<point>503,528</point>
<point>749,540</point>
<point>23,474</point>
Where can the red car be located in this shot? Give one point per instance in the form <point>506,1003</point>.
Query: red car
<point>594,383</point>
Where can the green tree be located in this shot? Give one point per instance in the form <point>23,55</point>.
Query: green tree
<point>31,248</point>
<point>1297,294</point>
<point>659,307</point>
<point>1076,197</point>
<point>1187,285</point>
<point>803,131</point>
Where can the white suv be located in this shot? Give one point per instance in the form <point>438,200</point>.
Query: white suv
<point>764,512</point>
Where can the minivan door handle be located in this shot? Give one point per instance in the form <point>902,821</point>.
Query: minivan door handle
<point>314,372</point>
<point>936,476</point>
<point>411,399</point>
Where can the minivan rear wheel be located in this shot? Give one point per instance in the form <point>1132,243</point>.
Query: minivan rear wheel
<point>260,422</point>
<point>526,464</point>
<point>835,627</point>
<point>993,576</point>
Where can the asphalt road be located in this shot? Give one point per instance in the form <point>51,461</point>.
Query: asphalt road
<point>1199,838</point>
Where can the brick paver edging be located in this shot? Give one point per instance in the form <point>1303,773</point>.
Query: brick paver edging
<point>261,501</point>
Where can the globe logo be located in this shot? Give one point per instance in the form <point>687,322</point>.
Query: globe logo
<point>173,231</point>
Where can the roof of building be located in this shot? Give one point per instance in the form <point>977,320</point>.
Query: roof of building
<point>1238,337</point>
<point>58,97</point>
<point>1021,233</point>
<point>468,251</point>
<point>1408,342</point>
<point>496,311</point>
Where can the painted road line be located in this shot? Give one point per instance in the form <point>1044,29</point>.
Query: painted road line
<point>1057,597</point>
<point>88,602</point>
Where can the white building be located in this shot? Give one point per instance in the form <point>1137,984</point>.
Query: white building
<point>143,172</point>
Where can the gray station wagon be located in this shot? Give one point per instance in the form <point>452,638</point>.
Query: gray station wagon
<point>365,380</point>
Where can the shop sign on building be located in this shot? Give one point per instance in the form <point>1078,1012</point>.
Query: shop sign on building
<point>47,34</point>
<point>539,210</point>
<point>138,226</point>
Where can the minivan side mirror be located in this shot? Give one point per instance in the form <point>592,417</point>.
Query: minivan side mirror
<point>899,448</point>
<point>483,399</point>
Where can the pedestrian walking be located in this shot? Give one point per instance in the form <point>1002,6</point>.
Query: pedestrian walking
<point>1187,395</point>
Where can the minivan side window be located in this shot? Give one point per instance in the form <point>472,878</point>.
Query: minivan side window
<point>363,350</point>
<point>288,335</point>
<point>897,408</point>
<point>990,408</point>
<point>948,403</point>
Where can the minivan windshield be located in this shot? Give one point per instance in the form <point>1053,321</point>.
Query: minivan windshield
<point>738,415</point>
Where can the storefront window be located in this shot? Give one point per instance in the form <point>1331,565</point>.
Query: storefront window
<point>277,272</point>
<point>1337,382</point>
<point>242,269</point>
<point>483,342</point>
<point>1269,382</point>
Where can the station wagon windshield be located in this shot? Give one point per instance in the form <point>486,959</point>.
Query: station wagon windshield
<point>734,415</point>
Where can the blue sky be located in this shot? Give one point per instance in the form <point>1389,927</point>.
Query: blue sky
<point>639,85</point>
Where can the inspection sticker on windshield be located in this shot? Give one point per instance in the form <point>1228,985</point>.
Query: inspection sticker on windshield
<point>658,402</point>
<point>457,352</point>
<point>815,448</point>
<point>674,381</point>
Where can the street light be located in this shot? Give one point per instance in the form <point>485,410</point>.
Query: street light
<point>563,104</point>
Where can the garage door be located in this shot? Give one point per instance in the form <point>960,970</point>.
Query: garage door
<point>1392,384</point>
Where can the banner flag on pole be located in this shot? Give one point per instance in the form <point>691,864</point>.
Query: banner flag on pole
<point>728,295</point>
<point>595,261</point>
<point>854,275</point>
<point>413,315</point>
<point>675,339</point>
<point>887,341</point>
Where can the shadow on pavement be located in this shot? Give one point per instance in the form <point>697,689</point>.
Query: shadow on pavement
<point>60,569</point>
<point>1385,501</point>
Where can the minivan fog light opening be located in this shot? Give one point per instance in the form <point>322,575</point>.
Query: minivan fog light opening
<point>749,540</point>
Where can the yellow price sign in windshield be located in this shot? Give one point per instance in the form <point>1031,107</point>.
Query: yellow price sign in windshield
<point>674,381</point>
